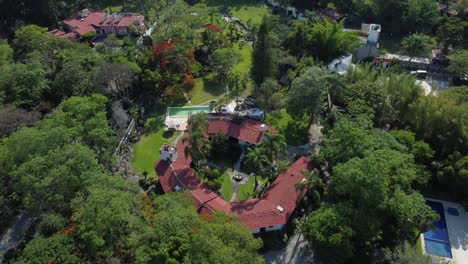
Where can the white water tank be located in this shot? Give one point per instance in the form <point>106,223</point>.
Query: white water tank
<point>168,153</point>
<point>374,33</point>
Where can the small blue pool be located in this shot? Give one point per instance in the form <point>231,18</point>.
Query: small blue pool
<point>436,240</point>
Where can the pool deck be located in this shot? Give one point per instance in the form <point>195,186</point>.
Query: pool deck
<point>178,122</point>
<point>457,228</point>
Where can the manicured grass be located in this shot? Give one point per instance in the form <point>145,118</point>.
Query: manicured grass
<point>146,151</point>
<point>244,66</point>
<point>246,55</point>
<point>226,187</point>
<point>245,191</point>
<point>204,91</point>
<point>418,246</point>
<point>243,9</point>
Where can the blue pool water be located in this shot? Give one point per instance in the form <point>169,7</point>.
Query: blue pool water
<point>436,240</point>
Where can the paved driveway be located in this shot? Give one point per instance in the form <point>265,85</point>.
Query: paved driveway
<point>295,252</point>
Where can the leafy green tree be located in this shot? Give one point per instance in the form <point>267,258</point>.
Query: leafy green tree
<point>263,65</point>
<point>274,146</point>
<point>52,181</point>
<point>52,223</point>
<point>308,93</point>
<point>198,122</point>
<point>255,161</point>
<point>458,63</point>
<point>312,181</point>
<point>453,174</point>
<point>104,217</point>
<point>422,152</point>
<point>57,248</point>
<point>197,144</point>
<point>377,190</point>
<point>86,118</point>
<point>22,84</point>
<point>6,53</point>
<point>420,16</point>
<point>222,240</point>
<point>441,121</point>
<point>73,80</point>
<point>329,229</point>
<point>177,234</point>
<point>224,59</point>
<point>406,253</point>
<point>151,82</point>
<point>328,40</point>
<point>266,95</point>
<point>30,38</point>
<point>297,40</point>
<point>324,40</point>
<point>452,33</point>
<point>417,45</point>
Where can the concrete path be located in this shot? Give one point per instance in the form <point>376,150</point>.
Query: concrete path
<point>296,251</point>
<point>234,193</point>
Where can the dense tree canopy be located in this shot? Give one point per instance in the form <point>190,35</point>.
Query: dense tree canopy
<point>374,184</point>
<point>308,92</point>
<point>324,40</point>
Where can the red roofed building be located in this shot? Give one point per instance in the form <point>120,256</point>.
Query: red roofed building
<point>270,212</point>
<point>102,23</point>
<point>245,130</point>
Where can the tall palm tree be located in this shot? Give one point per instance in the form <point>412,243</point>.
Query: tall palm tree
<point>196,143</point>
<point>198,146</point>
<point>198,122</point>
<point>311,181</point>
<point>256,159</point>
<point>274,146</point>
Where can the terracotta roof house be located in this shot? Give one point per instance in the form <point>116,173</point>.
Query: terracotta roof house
<point>267,213</point>
<point>86,21</point>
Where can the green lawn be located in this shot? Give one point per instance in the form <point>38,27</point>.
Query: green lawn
<point>243,9</point>
<point>226,187</point>
<point>419,248</point>
<point>245,191</point>
<point>204,91</point>
<point>146,151</point>
<point>246,55</point>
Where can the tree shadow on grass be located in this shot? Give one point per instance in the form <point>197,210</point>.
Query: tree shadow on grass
<point>168,134</point>
<point>214,88</point>
<point>153,124</point>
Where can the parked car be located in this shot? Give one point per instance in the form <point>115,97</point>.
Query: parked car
<point>420,74</point>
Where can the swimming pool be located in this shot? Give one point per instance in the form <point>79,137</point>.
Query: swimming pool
<point>436,240</point>
<point>185,111</point>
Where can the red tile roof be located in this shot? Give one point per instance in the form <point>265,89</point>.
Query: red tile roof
<point>92,21</point>
<point>62,34</point>
<point>253,213</point>
<point>244,129</point>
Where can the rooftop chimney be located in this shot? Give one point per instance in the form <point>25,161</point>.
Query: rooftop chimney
<point>279,208</point>
<point>262,127</point>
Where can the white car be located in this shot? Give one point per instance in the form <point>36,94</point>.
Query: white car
<point>420,74</point>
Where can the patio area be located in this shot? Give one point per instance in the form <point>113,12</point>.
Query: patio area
<point>456,219</point>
